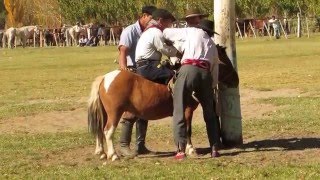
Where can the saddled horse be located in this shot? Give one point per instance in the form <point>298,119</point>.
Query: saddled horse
<point>109,100</point>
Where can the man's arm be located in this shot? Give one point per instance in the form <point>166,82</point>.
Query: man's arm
<point>175,34</point>
<point>159,43</point>
<point>124,47</point>
<point>123,52</point>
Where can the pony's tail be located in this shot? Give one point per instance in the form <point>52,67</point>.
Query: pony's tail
<point>97,115</point>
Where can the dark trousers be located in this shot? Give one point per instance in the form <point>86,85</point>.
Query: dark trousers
<point>192,78</point>
<point>126,132</point>
<point>155,72</point>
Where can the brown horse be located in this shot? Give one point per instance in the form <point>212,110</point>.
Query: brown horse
<point>122,91</point>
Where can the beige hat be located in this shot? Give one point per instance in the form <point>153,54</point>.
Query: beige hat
<point>193,12</point>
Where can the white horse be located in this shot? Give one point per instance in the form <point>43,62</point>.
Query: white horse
<point>71,34</point>
<point>26,32</point>
<point>8,37</point>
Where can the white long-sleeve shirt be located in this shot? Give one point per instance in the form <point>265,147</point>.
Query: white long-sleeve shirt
<point>151,45</point>
<point>195,42</point>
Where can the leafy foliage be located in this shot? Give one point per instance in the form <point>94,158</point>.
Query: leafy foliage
<point>56,12</point>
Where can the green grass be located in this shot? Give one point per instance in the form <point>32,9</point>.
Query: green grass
<point>272,64</point>
<point>34,81</point>
<point>50,78</point>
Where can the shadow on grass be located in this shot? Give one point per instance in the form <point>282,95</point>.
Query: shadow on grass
<point>159,155</point>
<point>285,144</point>
<point>291,144</point>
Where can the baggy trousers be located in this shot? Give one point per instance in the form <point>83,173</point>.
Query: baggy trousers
<point>192,78</point>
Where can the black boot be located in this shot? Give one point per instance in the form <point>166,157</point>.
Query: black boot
<point>142,126</point>
<point>125,138</point>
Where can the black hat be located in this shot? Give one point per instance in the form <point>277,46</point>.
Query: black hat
<point>162,13</point>
<point>207,26</point>
<point>148,9</point>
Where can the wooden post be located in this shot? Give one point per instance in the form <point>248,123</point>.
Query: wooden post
<point>307,27</point>
<point>41,39</point>
<point>253,30</point>
<point>34,39</point>
<point>265,26</point>
<point>231,125</point>
<point>299,26</point>
<point>244,29</point>
<point>239,30</point>
<point>284,32</point>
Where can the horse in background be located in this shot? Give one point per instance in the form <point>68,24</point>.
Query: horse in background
<point>109,100</point>
<point>25,33</point>
<point>9,38</point>
<point>72,34</point>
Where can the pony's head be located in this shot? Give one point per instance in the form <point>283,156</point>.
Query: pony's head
<point>228,76</point>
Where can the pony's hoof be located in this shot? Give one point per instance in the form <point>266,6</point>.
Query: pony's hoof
<point>190,151</point>
<point>114,157</point>
<point>103,156</point>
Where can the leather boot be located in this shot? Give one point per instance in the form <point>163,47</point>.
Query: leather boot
<point>125,138</point>
<point>141,132</point>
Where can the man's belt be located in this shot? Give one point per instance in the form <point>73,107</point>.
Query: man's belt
<point>197,62</point>
<point>143,62</point>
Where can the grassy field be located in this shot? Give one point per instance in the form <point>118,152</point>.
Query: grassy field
<point>281,144</point>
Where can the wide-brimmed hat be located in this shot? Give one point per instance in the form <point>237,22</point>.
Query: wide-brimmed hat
<point>207,26</point>
<point>193,12</point>
<point>162,13</point>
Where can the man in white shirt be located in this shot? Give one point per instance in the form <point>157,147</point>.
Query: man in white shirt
<point>151,46</point>
<point>127,47</point>
<point>82,41</point>
<point>200,53</point>
<point>193,16</point>
<point>276,27</point>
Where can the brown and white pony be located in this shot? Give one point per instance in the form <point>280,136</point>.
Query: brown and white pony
<point>123,91</point>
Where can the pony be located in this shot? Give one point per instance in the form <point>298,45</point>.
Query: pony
<point>25,33</point>
<point>109,100</point>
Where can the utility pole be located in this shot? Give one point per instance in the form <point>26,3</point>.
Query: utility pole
<point>225,25</point>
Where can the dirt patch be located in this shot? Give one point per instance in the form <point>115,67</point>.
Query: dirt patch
<point>250,108</point>
<point>47,122</point>
<point>77,120</point>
